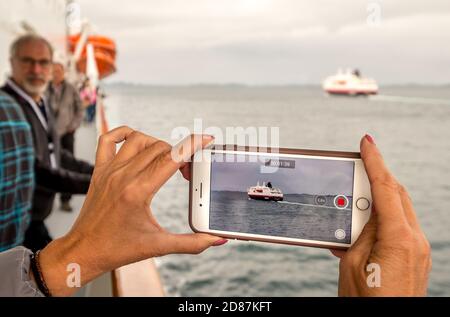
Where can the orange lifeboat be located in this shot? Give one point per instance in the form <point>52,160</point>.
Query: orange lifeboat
<point>104,52</point>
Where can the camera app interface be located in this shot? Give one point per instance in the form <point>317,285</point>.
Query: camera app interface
<point>299,198</point>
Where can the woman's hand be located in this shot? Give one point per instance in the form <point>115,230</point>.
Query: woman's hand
<point>392,239</point>
<point>116,226</point>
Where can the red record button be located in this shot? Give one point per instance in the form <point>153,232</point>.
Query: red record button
<point>341,202</point>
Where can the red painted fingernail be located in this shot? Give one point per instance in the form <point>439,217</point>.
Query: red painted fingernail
<point>220,242</point>
<point>370,139</point>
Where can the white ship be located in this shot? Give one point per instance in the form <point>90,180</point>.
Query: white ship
<point>350,83</point>
<point>265,192</point>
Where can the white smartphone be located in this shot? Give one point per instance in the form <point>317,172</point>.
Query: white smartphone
<point>289,196</point>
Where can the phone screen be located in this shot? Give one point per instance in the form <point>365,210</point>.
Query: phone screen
<point>303,198</point>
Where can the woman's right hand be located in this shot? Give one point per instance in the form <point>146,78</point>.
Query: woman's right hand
<point>116,225</point>
<point>392,239</point>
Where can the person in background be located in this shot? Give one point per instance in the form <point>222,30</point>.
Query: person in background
<point>16,173</point>
<point>31,64</point>
<point>88,95</point>
<point>66,104</point>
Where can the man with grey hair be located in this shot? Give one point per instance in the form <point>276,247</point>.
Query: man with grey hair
<point>33,79</point>
<point>68,109</point>
<point>31,64</point>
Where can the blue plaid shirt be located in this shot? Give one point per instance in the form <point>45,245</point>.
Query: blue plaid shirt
<point>16,173</point>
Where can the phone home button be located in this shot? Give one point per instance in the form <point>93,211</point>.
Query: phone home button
<point>363,204</point>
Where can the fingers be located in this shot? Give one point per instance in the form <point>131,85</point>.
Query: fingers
<point>411,214</point>
<point>338,253</point>
<point>106,149</point>
<point>364,244</point>
<point>193,243</point>
<point>145,157</point>
<point>166,164</point>
<point>183,151</point>
<point>409,208</point>
<point>186,171</point>
<point>385,194</point>
<point>136,142</point>
<point>185,168</point>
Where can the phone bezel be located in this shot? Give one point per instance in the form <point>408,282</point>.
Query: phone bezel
<point>200,177</point>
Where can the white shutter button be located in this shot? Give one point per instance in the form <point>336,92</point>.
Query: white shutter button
<point>363,204</point>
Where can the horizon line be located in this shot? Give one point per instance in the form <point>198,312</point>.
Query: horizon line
<point>130,83</point>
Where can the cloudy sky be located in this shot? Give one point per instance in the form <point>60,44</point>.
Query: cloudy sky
<point>314,177</point>
<point>275,41</point>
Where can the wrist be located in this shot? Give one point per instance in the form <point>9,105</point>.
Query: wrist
<point>67,260</point>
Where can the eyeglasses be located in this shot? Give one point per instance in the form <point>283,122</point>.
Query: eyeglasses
<point>29,62</point>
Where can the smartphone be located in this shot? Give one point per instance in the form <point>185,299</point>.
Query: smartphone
<point>288,196</point>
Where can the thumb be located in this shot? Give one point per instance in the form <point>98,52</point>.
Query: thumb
<point>192,243</point>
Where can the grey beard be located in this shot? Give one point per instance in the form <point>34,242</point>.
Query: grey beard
<point>35,90</point>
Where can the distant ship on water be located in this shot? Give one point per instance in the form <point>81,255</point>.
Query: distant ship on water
<point>350,83</point>
<point>265,192</point>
